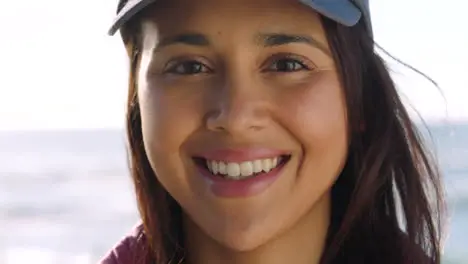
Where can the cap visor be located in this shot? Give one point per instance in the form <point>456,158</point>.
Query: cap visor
<point>341,11</point>
<point>128,11</point>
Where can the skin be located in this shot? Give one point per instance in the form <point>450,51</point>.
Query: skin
<point>233,90</point>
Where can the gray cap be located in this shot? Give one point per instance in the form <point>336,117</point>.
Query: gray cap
<point>345,12</point>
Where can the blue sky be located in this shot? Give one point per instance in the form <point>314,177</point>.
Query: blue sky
<point>60,70</point>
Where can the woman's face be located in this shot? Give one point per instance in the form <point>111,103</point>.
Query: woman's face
<point>243,116</point>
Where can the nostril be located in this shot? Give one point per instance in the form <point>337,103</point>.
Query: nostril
<point>215,121</point>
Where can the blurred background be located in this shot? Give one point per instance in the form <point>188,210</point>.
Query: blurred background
<point>65,193</point>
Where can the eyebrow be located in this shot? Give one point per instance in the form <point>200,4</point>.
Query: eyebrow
<point>278,39</point>
<point>193,39</point>
<point>262,39</point>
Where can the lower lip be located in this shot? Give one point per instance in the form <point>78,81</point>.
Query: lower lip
<point>228,188</point>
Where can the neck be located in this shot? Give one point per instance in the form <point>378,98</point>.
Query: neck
<point>303,243</point>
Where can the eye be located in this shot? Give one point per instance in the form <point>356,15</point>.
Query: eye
<point>288,64</point>
<point>189,67</point>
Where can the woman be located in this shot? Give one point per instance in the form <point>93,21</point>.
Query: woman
<point>269,131</point>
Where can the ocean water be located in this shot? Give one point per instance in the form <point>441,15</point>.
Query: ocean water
<point>66,197</point>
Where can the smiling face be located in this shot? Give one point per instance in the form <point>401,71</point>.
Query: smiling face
<point>243,116</point>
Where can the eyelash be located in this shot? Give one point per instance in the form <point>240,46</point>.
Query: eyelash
<point>173,69</point>
<point>304,64</point>
<point>201,68</point>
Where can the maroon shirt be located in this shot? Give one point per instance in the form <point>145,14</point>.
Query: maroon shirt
<point>128,250</point>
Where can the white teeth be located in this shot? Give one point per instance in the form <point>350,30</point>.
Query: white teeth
<point>267,164</point>
<point>233,169</point>
<point>257,166</point>
<point>244,169</point>
<point>214,167</point>
<point>222,168</point>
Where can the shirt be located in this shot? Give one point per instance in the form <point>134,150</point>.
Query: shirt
<point>129,250</point>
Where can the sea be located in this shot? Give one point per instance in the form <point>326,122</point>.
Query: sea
<point>66,196</point>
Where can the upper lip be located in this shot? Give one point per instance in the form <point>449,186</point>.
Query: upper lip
<point>240,154</point>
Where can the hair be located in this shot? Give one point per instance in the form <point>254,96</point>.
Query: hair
<point>388,202</point>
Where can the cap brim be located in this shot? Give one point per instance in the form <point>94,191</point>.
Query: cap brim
<point>341,11</point>
<point>131,8</point>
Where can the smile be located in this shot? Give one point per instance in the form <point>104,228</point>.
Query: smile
<point>246,169</point>
<point>241,172</point>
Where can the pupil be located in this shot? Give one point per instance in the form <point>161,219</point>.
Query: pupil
<point>285,65</point>
<point>193,67</point>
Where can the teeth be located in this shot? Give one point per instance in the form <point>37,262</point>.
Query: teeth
<point>246,168</point>
<point>222,168</point>
<point>242,170</point>
<point>267,164</point>
<point>214,167</point>
<point>233,169</point>
<point>257,166</point>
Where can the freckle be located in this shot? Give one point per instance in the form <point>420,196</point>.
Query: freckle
<point>219,33</point>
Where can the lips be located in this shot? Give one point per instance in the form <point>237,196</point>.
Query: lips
<point>241,172</point>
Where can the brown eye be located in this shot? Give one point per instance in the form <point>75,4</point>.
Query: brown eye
<point>287,65</point>
<point>188,68</point>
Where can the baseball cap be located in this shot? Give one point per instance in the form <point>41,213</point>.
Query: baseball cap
<point>345,12</point>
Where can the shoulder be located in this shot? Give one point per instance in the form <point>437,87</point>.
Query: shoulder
<point>128,250</point>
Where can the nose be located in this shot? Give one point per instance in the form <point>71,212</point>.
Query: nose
<point>237,108</point>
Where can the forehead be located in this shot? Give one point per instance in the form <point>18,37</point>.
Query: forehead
<point>235,19</point>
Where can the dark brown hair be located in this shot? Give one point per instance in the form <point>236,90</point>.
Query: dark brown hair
<point>387,204</point>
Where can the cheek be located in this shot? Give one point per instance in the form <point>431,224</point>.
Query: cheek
<point>317,109</point>
<point>165,122</point>
<point>168,119</point>
<point>317,119</point>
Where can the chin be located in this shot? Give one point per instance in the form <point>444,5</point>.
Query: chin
<point>244,241</point>
<point>242,244</point>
